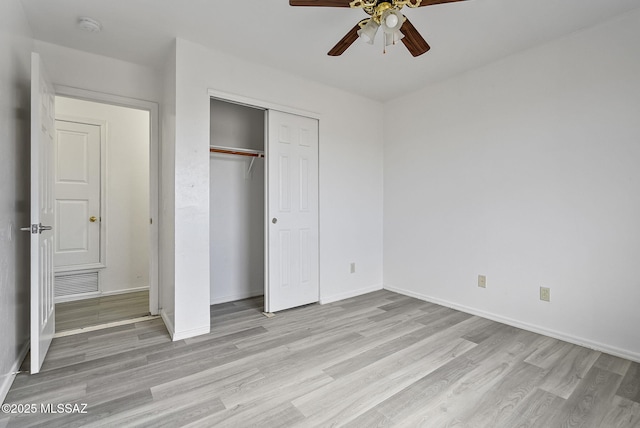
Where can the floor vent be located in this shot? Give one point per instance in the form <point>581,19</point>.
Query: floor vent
<point>76,283</point>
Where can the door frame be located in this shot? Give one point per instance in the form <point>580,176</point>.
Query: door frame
<point>154,173</point>
<point>266,106</point>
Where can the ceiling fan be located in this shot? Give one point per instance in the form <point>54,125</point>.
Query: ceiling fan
<point>385,14</point>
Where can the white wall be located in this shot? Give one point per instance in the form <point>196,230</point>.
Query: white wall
<point>236,204</point>
<point>127,191</point>
<point>78,69</point>
<point>527,171</point>
<point>15,51</point>
<point>350,172</point>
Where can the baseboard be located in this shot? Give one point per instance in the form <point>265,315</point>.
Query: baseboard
<point>124,291</point>
<point>179,335</point>
<point>7,379</point>
<point>349,294</point>
<point>580,341</point>
<point>93,295</point>
<point>168,323</point>
<point>76,297</point>
<point>235,297</point>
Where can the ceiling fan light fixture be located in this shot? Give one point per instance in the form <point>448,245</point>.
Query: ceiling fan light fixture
<point>368,32</point>
<point>385,13</point>
<point>391,20</point>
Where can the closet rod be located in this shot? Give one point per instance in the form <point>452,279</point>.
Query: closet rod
<point>240,152</point>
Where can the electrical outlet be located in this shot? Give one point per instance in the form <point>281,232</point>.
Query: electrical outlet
<point>545,294</point>
<point>482,281</point>
<point>353,267</point>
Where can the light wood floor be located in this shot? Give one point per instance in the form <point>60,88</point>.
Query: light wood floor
<point>381,359</point>
<point>101,310</point>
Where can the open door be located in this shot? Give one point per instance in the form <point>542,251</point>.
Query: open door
<point>42,214</point>
<point>292,212</point>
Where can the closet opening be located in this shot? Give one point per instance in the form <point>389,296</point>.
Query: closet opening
<point>237,202</point>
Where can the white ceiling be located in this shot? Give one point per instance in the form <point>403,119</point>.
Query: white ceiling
<point>462,35</point>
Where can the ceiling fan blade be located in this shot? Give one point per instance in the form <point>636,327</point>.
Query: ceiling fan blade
<point>432,2</point>
<point>413,40</point>
<point>346,41</point>
<point>319,3</point>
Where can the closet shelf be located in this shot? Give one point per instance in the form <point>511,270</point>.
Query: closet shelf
<point>239,152</point>
<point>236,151</point>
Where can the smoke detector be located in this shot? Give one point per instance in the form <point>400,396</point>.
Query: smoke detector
<point>89,25</point>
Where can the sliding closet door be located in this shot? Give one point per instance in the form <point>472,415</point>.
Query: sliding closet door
<point>292,212</point>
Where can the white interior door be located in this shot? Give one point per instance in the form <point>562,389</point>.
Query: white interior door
<point>77,190</point>
<point>42,214</point>
<point>292,208</point>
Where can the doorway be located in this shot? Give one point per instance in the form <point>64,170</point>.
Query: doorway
<point>103,193</point>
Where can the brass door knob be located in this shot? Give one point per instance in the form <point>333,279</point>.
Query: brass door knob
<point>93,219</point>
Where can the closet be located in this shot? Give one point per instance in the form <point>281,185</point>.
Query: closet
<point>237,201</point>
<point>264,205</point>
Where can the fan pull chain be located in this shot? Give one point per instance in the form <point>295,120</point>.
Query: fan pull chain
<point>384,42</point>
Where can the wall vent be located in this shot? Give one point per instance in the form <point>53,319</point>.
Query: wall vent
<point>76,283</point>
